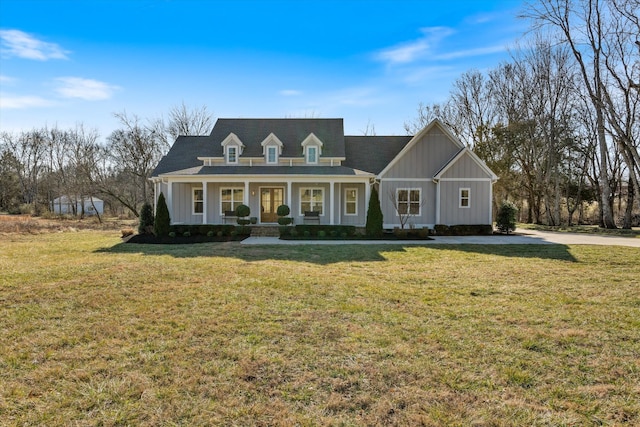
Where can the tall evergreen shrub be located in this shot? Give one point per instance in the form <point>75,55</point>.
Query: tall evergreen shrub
<point>506,217</point>
<point>162,221</point>
<point>374,215</point>
<point>146,219</point>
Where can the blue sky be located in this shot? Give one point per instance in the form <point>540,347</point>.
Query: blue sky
<point>369,62</point>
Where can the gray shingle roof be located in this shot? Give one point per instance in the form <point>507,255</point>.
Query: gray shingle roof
<point>372,153</point>
<point>271,170</point>
<point>363,153</point>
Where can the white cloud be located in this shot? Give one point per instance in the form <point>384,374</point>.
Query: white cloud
<point>290,92</point>
<point>473,52</point>
<point>22,45</point>
<point>411,51</point>
<point>87,89</point>
<point>7,80</point>
<point>21,102</point>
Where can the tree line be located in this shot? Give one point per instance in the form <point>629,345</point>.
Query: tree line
<point>558,122</point>
<point>41,164</point>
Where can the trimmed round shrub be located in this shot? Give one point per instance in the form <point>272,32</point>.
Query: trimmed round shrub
<point>187,234</point>
<point>172,234</point>
<point>285,220</point>
<point>283,210</point>
<point>322,233</point>
<point>210,233</point>
<point>243,210</point>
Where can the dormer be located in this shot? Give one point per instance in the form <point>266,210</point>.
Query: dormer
<point>233,148</point>
<point>312,149</point>
<point>271,149</point>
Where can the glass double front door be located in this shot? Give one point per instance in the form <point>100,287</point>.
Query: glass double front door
<point>270,199</point>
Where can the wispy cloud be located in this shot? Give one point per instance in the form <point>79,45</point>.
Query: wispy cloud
<point>7,80</point>
<point>16,43</point>
<point>8,102</point>
<point>87,89</point>
<point>411,51</point>
<point>473,52</point>
<point>290,92</point>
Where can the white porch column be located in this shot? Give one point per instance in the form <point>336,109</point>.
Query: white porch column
<point>437,202</point>
<point>289,192</point>
<point>367,196</point>
<point>156,193</point>
<point>204,202</point>
<point>331,201</point>
<point>246,193</point>
<point>170,199</point>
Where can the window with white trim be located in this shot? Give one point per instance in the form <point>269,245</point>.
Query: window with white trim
<point>312,154</point>
<point>408,201</point>
<point>197,196</point>
<point>230,198</point>
<point>272,154</point>
<point>232,154</point>
<point>351,201</point>
<point>311,199</point>
<point>465,198</point>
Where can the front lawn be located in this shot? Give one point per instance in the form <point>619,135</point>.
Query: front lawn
<point>96,332</point>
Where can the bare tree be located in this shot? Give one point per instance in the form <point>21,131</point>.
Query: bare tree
<point>589,28</point>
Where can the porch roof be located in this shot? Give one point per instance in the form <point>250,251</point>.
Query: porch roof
<point>324,171</point>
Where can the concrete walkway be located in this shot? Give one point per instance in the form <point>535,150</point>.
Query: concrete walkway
<point>522,237</point>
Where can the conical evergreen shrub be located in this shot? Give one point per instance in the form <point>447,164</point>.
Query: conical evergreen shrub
<point>162,221</point>
<point>374,215</point>
<point>146,219</point>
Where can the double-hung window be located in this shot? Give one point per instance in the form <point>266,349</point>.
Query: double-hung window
<point>198,201</point>
<point>232,154</point>
<point>230,198</point>
<point>351,201</point>
<point>465,198</point>
<point>311,199</point>
<point>408,201</point>
<point>312,154</point>
<point>272,154</point>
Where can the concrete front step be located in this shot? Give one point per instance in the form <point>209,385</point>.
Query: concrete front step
<point>265,231</point>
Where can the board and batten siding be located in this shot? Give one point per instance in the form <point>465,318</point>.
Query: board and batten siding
<point>479,210</point>
<point>425,158</point>
<point>387,191</point>
<point>465,167</point>
<point>182,204</point>
<point>341,217</point>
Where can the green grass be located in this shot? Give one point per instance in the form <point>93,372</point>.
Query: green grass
<point>100,333</point>
<point>588,229</point>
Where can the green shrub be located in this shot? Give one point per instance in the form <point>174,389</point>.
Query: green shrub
<point>210,234</point>
<point>374,215</point>
<point>172,234</point>
<point>220,233</point>
<point>506,217</point>
<point>146,219</point>
<point>162,219</point>
<point>283,210</point>
<point>306,233</point>
<point>322,233</point>
<point>187,234</point>
<point>243,221</point>
<point>243,211</point>
<point>285,220</point>
<point>463,230</point>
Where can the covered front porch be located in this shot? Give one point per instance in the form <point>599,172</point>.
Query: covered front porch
<point>337,200</point>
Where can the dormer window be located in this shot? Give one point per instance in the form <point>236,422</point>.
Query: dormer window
<point>232,154</point>
<point>272,154</point>
<point>271,148</point>
<point>312,149</point>
<point>312,154</point>
<point>232,147</point>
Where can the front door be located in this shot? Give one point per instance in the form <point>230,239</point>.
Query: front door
<point>270,199</point>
